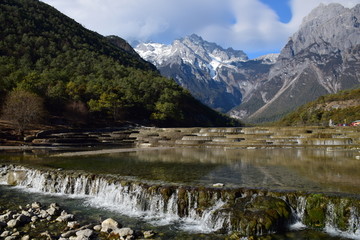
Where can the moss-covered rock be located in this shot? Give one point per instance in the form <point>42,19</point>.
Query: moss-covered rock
<point>259,215</point>
<point>315,211</point>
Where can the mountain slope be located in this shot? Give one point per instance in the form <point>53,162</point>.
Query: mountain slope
<point>218,77</point>
<point>81,74</point>
<point>322,57</point>
<point>340,108</point>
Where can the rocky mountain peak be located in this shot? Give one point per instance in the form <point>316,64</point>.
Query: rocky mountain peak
<point>217,76</point>
<point>326,29</point>
<point>322,57</point>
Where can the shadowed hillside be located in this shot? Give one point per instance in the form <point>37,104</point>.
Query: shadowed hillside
<point>84,77</point>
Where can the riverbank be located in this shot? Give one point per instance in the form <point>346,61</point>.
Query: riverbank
<point>35,221</point>
<point>227,138</point>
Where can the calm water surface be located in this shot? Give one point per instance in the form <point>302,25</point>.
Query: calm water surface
<point>275,169</point>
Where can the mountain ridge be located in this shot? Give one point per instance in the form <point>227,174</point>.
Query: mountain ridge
<point>206,69</point>
<point>322,57</point>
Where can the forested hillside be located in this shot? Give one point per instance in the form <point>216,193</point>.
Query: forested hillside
<point>83,76</point>
<point>340,108</point>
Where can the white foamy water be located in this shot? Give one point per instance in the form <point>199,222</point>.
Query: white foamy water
<point>134,200</point>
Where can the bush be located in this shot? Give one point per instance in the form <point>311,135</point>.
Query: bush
<point>23,108</point>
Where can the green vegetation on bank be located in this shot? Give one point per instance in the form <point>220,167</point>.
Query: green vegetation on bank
<point>340,108</point>
<point>85,77</point>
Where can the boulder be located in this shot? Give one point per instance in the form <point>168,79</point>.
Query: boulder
<point>23,219</point>
<point>109,225</point>
<point>97,228</point>
<point>5,234</point>
<point>84,234</point>
<point>10,238</point>
<point>36,205</point>
<point>123,232</point>
<point>13,223</point>
<point>53,210</point>
<point>73,224</point>
<point>65,217</point>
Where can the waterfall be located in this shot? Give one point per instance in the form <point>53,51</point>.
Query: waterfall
<point>248,212</point>
<point>129,198</point>
<point>299,214</point>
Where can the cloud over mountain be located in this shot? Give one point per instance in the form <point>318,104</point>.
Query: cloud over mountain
<point>249,25</point>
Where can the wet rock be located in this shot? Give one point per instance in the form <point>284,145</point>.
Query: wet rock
<point>5,217</point>
<point>123,232</point>
<point>36,205</point>
<point>259,215</point>
<point>97,228</point>
<point>5,234</point>
<point>26,237</point>
<point>34,218</point>
<point>13,223</point>
<point>109,225</point>
<point>26,213</point>
<point>10,237</point>
<point>65,217</point>
<point>53,210</point>
<point>149,234</point>
<point>17,233</point>
<point>43,214</point>
<point>68,234</point>
<point>73,224</point>
<point>84,234</point>
<point>23,219</point>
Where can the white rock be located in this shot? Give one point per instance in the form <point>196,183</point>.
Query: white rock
<point>149,234</point>
<point>13,223</point>
<point>218,185</point>
<point>26,237</point>
<point>84,234</point>
<point>123,232</point>
<point>73,224</point>
<point>5,234</point>
<point>109,225</point>
<point>97,228</point>
<point>36,205</point>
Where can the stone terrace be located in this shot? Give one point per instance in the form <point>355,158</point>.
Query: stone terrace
<point>252,137</point>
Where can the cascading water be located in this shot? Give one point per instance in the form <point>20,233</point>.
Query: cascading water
<point>128,198</point>
<point>299,214</point>
<point>249,212</point>
<point>331,227</point>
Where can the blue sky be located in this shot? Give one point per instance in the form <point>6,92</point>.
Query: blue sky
<point>281,7</point>
<point>257,27</point>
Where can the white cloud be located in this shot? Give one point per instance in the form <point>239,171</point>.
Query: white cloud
<point>242,24</point>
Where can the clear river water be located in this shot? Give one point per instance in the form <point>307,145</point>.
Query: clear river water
<point>329,171</point>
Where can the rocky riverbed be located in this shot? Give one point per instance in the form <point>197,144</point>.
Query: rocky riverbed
<point>35,221</point>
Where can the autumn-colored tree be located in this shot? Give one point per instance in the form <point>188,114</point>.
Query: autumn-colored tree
<point>23,108</point>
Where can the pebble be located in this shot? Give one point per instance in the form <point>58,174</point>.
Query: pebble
<point>149,234</point>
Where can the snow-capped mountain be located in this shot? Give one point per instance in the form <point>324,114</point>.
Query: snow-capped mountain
<point>216,76</point>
